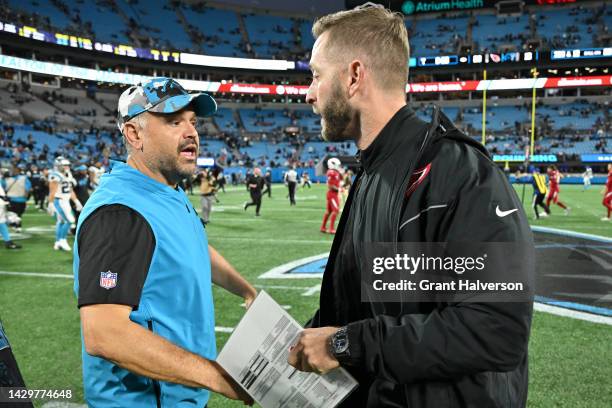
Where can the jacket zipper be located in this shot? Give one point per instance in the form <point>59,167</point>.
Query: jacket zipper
<point>404,185</point>
<point>156,386</point>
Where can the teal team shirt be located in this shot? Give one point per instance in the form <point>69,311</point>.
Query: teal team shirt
<point>176,301</point>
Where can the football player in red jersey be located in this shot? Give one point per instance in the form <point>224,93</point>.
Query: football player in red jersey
<point>334,179</point>
<point>607,200</point>
<point>554,179</point>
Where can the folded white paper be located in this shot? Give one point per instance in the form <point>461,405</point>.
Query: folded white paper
<point>256,357</point>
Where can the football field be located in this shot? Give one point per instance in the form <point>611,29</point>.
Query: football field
<point>570,359</point>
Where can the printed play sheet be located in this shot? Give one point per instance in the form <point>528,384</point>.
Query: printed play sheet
<point>256,357</point>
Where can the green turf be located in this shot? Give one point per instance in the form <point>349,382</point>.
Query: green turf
<point>570,359</point>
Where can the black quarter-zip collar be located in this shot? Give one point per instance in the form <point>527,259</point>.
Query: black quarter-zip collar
<point>388,140</point>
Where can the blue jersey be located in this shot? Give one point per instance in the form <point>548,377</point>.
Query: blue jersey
<point>176,300</point>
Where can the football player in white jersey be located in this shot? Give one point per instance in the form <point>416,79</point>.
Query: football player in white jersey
<point>61,191</point>
<point>587,176</point>
<point>4,231</point>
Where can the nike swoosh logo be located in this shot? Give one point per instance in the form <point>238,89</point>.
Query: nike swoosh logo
<point>502,214</point>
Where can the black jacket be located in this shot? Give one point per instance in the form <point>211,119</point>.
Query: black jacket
<point>258,183</point>
<point>427,354</point>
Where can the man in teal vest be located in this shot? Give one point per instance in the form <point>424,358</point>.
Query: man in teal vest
<point>143,266</point>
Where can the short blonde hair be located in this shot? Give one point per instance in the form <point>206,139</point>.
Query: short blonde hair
<point>371,31</point>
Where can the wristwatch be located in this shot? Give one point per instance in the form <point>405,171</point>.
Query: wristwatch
<point>339,345</point>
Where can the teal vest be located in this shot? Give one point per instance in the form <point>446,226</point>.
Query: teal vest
<point>176,301</point>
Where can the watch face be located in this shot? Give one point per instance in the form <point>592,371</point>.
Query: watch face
<point>340,344</point>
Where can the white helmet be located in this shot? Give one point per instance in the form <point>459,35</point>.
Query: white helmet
<point>60,165</point>
<point>334,163</point>
<point>59,162</point>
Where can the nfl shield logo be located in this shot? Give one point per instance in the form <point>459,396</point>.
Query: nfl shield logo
<point>108,280</point>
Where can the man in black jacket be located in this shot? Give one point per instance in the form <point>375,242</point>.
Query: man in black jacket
<point>255,184</point>
<point>419,182</point>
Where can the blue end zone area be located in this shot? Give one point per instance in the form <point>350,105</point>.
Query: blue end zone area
<point>311,267</point>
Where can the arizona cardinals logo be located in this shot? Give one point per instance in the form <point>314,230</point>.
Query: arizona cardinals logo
<point>417,178</point>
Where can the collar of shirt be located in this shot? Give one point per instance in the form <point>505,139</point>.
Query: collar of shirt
<point>388,140</point>
<point>123,170</point>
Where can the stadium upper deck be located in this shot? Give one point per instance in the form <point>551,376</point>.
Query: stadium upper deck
<point>194,27</point>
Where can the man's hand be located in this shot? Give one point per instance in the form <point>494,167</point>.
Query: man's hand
<point>109,333</point>
<point>51,209</point>
<point>229,388</point>
<point>249,298</point>
<point>311,352</point>
<point>78,206</point>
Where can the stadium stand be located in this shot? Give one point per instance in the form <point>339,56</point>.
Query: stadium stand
<point>493,33</point>
<point>572,28</point>
<point>269,35</point>
<point>307,40</point>
<point>106,24</point>
<point>42,11</point>
<point>68,121</point>
<point>224,119</point>
<point>164,18</point>
<point>216,31</point>
<point>435,36</point>
<point>268,120</point>
<point>75,119</point>
<point>201,28</point>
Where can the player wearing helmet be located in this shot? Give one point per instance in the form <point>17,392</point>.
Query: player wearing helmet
<point>61,191</point>
<point>333,202</point>
<point>554,179</point>
<point>587,176</point>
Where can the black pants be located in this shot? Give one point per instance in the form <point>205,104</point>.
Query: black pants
<point>42,194</point>
<point>268,190</point>
<point>292,185</point>
<point>36,195</point>
<point>255,200</point>
<point>539,201</point>
<point>17,208</point>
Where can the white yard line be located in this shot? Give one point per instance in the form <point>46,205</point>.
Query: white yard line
<point>220,329</point>
<point>38,274</point>
<point>280,272</point>
<point>313,290</point>
<point>573,314</point>
<point>306,290</point>
<point>255,240</point>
